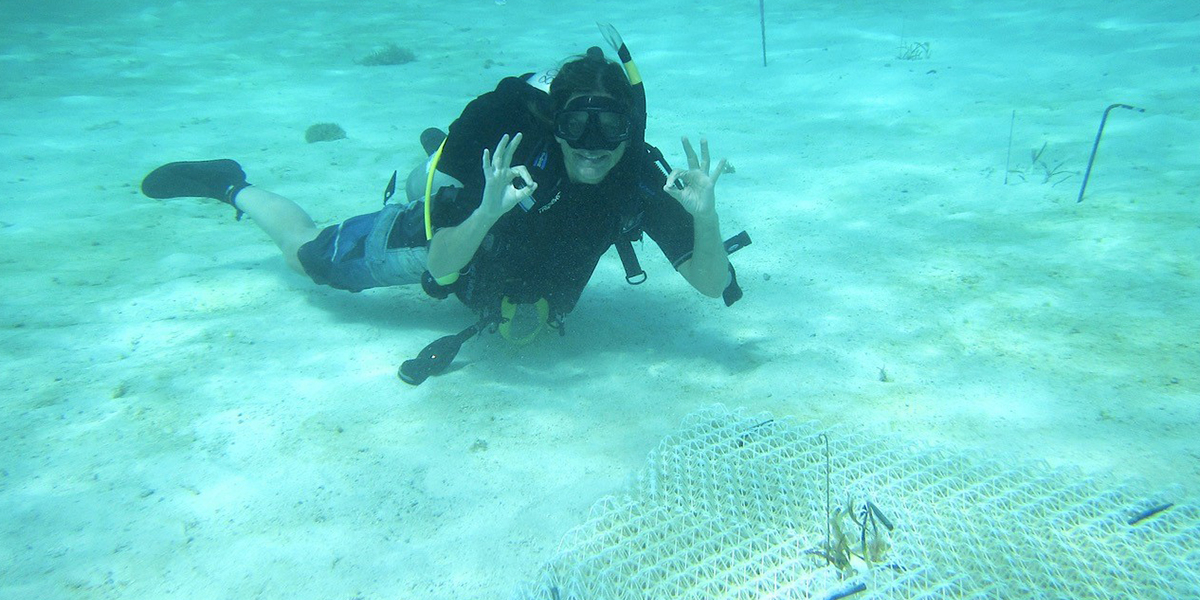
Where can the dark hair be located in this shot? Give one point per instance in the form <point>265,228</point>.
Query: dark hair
<point>593,74</point>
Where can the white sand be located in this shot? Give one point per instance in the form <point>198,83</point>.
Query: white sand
<point>183,417</point>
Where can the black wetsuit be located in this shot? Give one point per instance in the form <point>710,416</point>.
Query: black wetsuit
<point>550,249</point>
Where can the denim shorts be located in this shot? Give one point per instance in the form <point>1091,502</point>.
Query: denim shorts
<point>354,255</point>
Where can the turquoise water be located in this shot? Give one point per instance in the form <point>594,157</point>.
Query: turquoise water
<point>184,417</point>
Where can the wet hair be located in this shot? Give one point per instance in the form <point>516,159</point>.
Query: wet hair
<point>593,74</point>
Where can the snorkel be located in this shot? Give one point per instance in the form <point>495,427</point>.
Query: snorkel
<point>638,143</point>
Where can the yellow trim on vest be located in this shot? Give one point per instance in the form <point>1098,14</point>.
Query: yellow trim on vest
<point>508,310</point>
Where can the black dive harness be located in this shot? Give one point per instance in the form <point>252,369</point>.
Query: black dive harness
<point>437,356</point>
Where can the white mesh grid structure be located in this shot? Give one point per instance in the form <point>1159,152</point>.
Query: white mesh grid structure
<point>734,506</point>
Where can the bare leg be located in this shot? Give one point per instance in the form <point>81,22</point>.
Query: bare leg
<point>287,224</point>
<point>223,179</point>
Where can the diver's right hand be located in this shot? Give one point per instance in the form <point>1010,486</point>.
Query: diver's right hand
<point>500,193</point>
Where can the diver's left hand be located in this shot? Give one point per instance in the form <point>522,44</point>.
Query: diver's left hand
<point>698,195</point>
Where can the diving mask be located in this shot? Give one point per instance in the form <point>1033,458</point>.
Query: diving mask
<point>593,123</point>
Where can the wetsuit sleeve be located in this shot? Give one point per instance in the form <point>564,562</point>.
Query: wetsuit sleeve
<point>664,219</point>
<point>482,123</point>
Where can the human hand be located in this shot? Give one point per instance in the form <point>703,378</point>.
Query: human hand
<point>698,195</point>
<point>500,192</point>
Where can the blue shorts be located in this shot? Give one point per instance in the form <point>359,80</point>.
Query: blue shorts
<point>354,255</point>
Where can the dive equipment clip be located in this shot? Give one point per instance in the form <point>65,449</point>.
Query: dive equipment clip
<point>438,355</point>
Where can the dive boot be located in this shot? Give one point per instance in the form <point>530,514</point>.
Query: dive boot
<point>431,140</point>
<point>217,179</point>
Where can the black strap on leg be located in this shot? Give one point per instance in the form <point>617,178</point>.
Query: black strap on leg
<point>231,195</point>
<point>733,291</point>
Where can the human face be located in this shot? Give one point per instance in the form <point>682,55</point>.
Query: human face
<point>591,131</point>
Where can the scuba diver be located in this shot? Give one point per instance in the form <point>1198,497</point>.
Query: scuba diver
<point>532,184</point>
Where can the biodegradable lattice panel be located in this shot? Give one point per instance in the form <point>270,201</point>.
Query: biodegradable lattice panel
<point>733,505</point>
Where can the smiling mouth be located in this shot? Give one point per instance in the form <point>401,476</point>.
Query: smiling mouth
<point>592,156</point>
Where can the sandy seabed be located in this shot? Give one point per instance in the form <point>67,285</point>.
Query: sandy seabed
<point>183,417</point>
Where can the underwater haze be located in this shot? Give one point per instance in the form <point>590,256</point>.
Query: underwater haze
<point>181,416</point>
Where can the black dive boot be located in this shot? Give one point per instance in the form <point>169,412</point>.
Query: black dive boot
<point>431,139</point>
<point>216,179</point>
